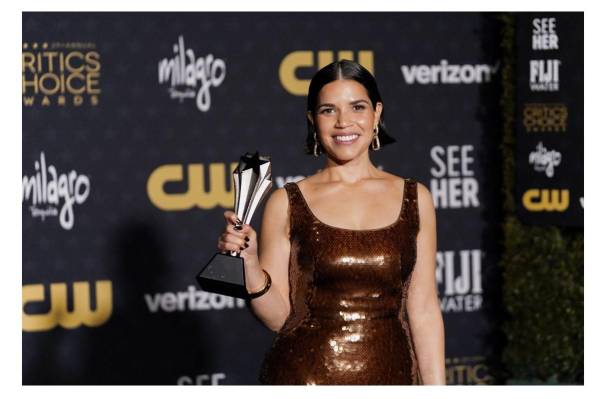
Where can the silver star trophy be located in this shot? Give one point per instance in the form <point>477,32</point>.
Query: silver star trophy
<point>224,273</point>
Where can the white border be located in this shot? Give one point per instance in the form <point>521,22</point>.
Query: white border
<point>11,226</point>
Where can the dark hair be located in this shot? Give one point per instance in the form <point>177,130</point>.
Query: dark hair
<point>343,69</point>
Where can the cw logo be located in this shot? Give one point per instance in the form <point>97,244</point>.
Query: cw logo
<point>538,200</point>
<point>306,59</point>
<point>59,315</point>
<point>196,195</point>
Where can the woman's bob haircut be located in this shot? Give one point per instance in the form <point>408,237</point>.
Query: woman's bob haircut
<point>343,69</point>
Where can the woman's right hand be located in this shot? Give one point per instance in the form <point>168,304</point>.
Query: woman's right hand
<point>242,240</point>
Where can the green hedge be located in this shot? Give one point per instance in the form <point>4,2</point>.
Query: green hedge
<point>542,270</point>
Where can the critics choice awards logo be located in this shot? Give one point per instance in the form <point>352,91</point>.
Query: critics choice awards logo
<point>189,76</point>
<point>60,74</point>
<point>549,117</point>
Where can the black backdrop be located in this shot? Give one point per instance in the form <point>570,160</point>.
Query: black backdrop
<point>127,203</point>
<point>550,118</point>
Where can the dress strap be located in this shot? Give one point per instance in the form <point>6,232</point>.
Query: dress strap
<point>410,207</point>
<point>295,204</point>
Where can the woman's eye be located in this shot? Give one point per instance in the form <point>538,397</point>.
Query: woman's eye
<point>358,107</point>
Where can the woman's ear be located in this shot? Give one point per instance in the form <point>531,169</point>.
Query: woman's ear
<point>310,117</point>
<point>378,111</point>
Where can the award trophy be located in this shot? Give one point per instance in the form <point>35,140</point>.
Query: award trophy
<point>224,273</point>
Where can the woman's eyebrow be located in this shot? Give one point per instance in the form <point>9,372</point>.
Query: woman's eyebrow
<point>351,102</point>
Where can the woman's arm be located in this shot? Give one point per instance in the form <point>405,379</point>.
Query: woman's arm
<point>273,307</point>
<point>425,316</point>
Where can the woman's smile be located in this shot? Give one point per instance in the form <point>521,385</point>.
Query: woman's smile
<point>345,139</point>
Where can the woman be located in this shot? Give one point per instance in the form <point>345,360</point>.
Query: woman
<point>344,276</point>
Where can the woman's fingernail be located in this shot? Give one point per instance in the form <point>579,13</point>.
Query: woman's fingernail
<point>237,227</point>
<point>246,245</point>
<point>247,238</point>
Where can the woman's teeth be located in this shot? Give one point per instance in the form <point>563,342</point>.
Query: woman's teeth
<point>346,139</point>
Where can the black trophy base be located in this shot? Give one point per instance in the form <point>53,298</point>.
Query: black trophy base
<point>224,274</point>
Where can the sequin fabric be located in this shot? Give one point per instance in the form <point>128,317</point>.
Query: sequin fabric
<point>348,322</point>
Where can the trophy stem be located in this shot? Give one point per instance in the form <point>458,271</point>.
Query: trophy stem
<point>224,273</point>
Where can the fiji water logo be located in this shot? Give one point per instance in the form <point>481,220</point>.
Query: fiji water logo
<point>47,191</point>
<point>189,76</point>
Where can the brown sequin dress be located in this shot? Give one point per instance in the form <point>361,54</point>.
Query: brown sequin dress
<point>348,322</point>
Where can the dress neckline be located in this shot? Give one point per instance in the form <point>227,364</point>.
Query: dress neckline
<point>389,226</point>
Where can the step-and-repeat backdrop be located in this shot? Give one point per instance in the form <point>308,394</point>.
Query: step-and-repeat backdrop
<point>549,117</point>
<point>132,123</point>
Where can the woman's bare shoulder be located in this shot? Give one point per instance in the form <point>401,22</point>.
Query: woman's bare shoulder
<point>276,205</point>
<point>396,181</point>
<point>307,183</point>
<point>423,194</point>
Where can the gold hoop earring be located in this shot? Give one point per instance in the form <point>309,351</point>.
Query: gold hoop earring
<point>316,152</point>
<point>375,145</point>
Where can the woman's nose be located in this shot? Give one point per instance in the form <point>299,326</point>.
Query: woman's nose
<point>343,119</point>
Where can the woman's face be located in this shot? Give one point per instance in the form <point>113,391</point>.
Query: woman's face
<point>345,119</point>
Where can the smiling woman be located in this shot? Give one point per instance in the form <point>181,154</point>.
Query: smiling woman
<point>346,273</point>
<point>355,88</point>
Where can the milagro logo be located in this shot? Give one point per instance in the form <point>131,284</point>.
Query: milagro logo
<point>544,160</point>
<point>46,189</point>
<point>446,73</point>
<point>189,76</point>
